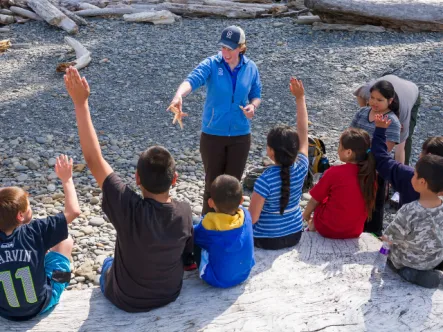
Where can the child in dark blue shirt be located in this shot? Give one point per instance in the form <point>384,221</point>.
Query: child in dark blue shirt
<point>396,173</point>
<point>34,254</point>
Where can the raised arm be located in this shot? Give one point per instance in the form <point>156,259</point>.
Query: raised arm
<point>63,169</point>
<point>297,89</point>
<point>78,89</point>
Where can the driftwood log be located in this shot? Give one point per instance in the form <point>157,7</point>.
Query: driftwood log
<point>347,27</point>
<point>4,30</point>
<point>19,3</point>
<point>53,15</point>
<point>406,15</point>
<point>155,17</point>
<point>83,56</point>
<point>6,19</point>
<point>320,285</point>
<point>203,10</point>
<point>25,13</point>
<point>307,19</point>
<point>77,19</point>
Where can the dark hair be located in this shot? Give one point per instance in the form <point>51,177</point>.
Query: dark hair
<point>387,90</point>
<point>433,145</point>
<point>12,201</point>
<point>430,168</point>
<point>156,169</point>
<point>227,193</point>
<point>285,143</point>
<point>359,142</point>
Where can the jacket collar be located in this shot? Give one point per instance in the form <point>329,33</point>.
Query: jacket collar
<point>219,58</point>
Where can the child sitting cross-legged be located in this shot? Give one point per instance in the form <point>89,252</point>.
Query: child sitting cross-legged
<point>417,230</point>
<point>345,195</point>
<point>34,253</point>
<point>224,247</point>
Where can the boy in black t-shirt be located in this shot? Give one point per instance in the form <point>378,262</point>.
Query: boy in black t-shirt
<point>153,231</point>
<point>31,278</point>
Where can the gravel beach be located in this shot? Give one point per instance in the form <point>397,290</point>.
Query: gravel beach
<point>134,73</point>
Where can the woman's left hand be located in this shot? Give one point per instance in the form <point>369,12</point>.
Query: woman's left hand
<point>249,111</point>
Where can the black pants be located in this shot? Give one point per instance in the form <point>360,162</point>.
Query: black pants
<point>277,243</point>
<point>375,224</point>
<point>222,155</point>
<point>412,123</point>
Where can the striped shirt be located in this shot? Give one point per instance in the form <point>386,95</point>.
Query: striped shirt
<point>361,120</point>
<point>271,223</point>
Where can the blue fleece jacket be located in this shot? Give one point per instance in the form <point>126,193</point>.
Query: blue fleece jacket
<point>396,173</point>
<point>227,256</point>
<point>222,115</point>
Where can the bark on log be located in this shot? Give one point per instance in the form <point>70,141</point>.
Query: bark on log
<point>53,15</point>
<point>77,19</point>
<point>347,27</point>
<point>83,56</point>
<point>6,19</point>
<point>25,13</point>
<point>156,17</point>
<point>202,10</point>
<point>406,15</point>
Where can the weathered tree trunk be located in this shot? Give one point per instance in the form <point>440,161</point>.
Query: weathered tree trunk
<point>25,13</point>
<point>6,19</point>
<point>407,15</point>
<point>238,5</point>
<point>77,19</point>
<point>155,17</point>
<point>107,11</point>
<point>19,3</point>
<point>347,27</point>
<point>53,15</point>
<point>202,10</point>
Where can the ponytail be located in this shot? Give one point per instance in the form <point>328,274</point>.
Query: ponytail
<point>359,142</point>
<point>367,177</point>
<point>395,106</point>
<point>285,188</point>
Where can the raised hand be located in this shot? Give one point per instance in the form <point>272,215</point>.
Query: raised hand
<point>296,87</point>
<point>177,102</point>
<point>382,121</point>
<point>63,168</point>
<point>77,87</point>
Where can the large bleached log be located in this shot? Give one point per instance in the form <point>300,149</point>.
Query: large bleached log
<point>77,19</point>
<point>6,19</point>
<point>83,56</point>
<point>203,10</point>
<point>25,13</point>
<point>156,17</point>
<point>107,11</point>
<point>407,15</point>
<point>347,27</point>
<point>53,15</point>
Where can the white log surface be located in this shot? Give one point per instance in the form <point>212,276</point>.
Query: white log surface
<point>155,17</point>
<point>6,19</point>
<point>413,15</point>
<point>320,285</point>
<point>25,13</point>
<point>347,27</point>
<point>53,15</point>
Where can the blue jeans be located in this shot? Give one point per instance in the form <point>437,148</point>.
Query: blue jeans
<point>106,266</point>
<point>55,261</point>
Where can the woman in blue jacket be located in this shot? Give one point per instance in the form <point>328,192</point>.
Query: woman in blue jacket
<point>233,96</point>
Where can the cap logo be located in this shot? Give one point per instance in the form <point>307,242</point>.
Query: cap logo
<point>229,34</point>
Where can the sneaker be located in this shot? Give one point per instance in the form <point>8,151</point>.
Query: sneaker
<point>427,279</point>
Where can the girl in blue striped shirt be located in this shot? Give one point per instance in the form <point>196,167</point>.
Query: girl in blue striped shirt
<point>275,202</point>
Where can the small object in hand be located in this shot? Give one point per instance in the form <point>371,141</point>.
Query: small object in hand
<point>178,115</point>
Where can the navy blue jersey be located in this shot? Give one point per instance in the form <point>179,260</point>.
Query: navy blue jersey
<point>24,287</point>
